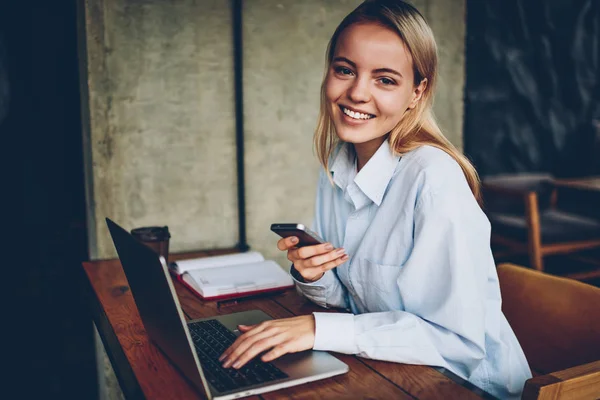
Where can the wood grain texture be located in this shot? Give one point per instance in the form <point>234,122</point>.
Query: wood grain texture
<point>577,383</point>
<point>152,372</point>
<point>144,372</point>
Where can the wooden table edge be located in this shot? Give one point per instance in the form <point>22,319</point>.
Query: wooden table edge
<point>123,371</point>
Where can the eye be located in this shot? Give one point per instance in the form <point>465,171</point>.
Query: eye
<point>387,81</point>
<point>341,70</point>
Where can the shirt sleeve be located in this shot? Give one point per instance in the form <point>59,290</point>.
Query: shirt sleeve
<point>442,287</point>
<point>328,291</point>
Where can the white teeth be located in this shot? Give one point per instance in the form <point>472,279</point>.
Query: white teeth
<point>355,115</point>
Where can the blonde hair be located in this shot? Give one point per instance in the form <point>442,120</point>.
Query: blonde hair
<point>418,126</point>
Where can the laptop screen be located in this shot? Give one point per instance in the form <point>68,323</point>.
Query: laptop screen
<point>157,302</point>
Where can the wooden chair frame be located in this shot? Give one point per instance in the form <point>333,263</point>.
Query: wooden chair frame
<point>580,382</point>
<point>563,355</point>
<point>534,247</point>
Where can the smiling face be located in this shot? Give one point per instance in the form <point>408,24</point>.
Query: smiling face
<point>370,84</point>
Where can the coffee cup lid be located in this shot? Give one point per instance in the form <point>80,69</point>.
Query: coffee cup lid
<point>151,233</point>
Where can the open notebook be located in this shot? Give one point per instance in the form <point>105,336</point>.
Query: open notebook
<point>232,275</point>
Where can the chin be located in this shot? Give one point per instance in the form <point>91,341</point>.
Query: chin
<point>348,137</point>
<point>355,136</point>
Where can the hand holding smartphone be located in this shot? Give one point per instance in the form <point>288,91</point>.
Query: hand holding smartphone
<point>311,255</point>
<point>305,236</point>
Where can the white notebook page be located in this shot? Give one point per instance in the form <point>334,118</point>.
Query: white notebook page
<point>218,261</point>
<point>239,278</point>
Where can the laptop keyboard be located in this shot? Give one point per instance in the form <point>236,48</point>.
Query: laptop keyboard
<point>211,338</point>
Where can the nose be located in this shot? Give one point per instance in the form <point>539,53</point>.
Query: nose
<point>359,92</point>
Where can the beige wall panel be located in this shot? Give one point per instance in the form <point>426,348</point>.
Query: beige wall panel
<point>447,20</point>
<point>162,119</point>
<point>284,59</point>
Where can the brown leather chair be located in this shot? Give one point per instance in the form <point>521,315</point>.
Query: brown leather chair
<point>526,220</point>
<point>557,322</point>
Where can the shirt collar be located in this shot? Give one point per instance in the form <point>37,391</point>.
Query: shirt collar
<point>373,179</point>
<point>343,168</point>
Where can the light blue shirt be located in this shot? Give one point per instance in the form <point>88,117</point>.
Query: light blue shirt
<point>421,281</point>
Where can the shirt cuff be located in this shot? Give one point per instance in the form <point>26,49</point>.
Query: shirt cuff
<point>335,332</point>
<point>320,283</point>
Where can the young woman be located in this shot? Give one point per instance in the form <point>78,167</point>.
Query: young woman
<point>408,249</point>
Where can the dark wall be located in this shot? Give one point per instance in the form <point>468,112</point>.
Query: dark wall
<point>50,348</point>
<point>533,86</point>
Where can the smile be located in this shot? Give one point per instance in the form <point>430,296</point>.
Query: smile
<point>356,114</point>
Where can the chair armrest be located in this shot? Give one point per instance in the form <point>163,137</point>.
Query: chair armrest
<point>504,191</point>
<point>580,382</point>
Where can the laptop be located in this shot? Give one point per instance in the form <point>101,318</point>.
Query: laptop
<point>195,346</point>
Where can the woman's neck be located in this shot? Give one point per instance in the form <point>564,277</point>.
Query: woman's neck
<point>364,151</point>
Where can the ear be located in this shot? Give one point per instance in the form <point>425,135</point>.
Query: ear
<point>418,93</point>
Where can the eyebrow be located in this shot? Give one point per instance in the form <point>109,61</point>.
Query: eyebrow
<point>377,71</point>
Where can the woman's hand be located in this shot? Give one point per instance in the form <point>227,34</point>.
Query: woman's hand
<point>281,336</point>
<point>312,261</point>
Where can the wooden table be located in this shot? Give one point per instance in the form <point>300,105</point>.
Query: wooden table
<point>144,372</point>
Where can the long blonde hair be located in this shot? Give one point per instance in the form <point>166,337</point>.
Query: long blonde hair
<point>418,126</point>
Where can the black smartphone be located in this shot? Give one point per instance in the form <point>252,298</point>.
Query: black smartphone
<point>305,236</point>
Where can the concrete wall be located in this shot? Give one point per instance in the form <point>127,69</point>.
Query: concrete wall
<point>161,139</point>
<point>447,20</point>
<point>162,120</point>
